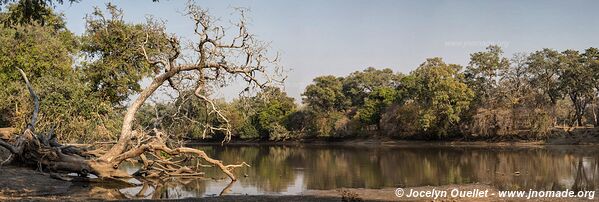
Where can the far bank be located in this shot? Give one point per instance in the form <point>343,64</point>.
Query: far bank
<point>557,136</point>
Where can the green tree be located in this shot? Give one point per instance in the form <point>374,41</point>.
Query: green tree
<point>590,59</point>
<point>36,49</point>
<point>328,124</point>
<point>442,95</point>
<point>30,11</point>
<point>42,51</point>
<point>358,85</point>
<point>577,82</point>
<point>46,53</point>
<point>115,63</point>
<point>273,109</point>
<point>265,115</point>
<point>326,94</point>
<point>544,70</point>
<point>483,73</point>
<point>375,104</point>
<point>515,81</point>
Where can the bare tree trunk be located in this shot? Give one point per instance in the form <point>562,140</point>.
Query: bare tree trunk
<point>595,118</point>
<point>127,128</point>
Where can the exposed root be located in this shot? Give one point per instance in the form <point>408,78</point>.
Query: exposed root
<point>160,165</point>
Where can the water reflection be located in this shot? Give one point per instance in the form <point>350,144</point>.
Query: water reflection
<point>294,169</point>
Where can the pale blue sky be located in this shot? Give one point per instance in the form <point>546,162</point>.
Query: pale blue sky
<point>320,37</point>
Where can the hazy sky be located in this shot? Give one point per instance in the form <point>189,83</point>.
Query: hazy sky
<point>320,37</point>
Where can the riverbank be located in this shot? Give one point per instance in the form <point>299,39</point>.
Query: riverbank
<point>587,136</point>
<point>556,136</point>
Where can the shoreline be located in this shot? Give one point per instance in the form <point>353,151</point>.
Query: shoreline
<point>388,142</point>
<point>66,192</point>
<point>576,136</point>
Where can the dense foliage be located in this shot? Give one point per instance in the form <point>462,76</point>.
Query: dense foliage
<point>114,63</point>
<point>78,100</point>
<point>526,96</point>
<point>47,53</point>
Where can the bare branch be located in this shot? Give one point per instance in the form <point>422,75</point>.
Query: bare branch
<point>36,102</point>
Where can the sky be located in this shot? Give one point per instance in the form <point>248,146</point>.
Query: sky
<point>334,37</point>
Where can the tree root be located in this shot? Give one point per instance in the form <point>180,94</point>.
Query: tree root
<point>160,165</point>
<point>158,159</point>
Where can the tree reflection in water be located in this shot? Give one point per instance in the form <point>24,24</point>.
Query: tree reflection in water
<point>171,188</point>
<point>293,169</point>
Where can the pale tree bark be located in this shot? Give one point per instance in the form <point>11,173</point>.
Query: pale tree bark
<point>595,115</point>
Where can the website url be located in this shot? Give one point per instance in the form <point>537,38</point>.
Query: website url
<point>484,193</point>
<point>546,194</point>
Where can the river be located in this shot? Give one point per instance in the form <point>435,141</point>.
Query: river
<point>291,170</point>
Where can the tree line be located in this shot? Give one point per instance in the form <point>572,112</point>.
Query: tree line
<point>84,83</point>
<point>525,96</point>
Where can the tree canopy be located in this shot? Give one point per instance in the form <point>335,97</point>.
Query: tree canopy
<point>439,90</point>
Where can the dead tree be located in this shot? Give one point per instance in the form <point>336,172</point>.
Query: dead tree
<point>218,58</point>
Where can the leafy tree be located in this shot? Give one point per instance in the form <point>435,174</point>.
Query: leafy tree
<point>577,82</point>
<point>483,73</point>
<point>247,131</point>
<point>358,85</point>
<point>375,104</point>
<point>401,120</point>
<point>46,53</point>
<point>42,51</point>
<point>442,95</point>
<point>115,62</point>
<point>299,121</point>
<point>326,94</point>
<point>35,148</point>
<point>515,81</point>
<point>273,108</point>
<point>262,116</point>
<point>329,124</point>
<point>590,60</point>
<point>30,11</point>
<point>544,70</point>
<point>38,50</point>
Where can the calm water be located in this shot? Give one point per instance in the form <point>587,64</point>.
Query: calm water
<point>294,169</point>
